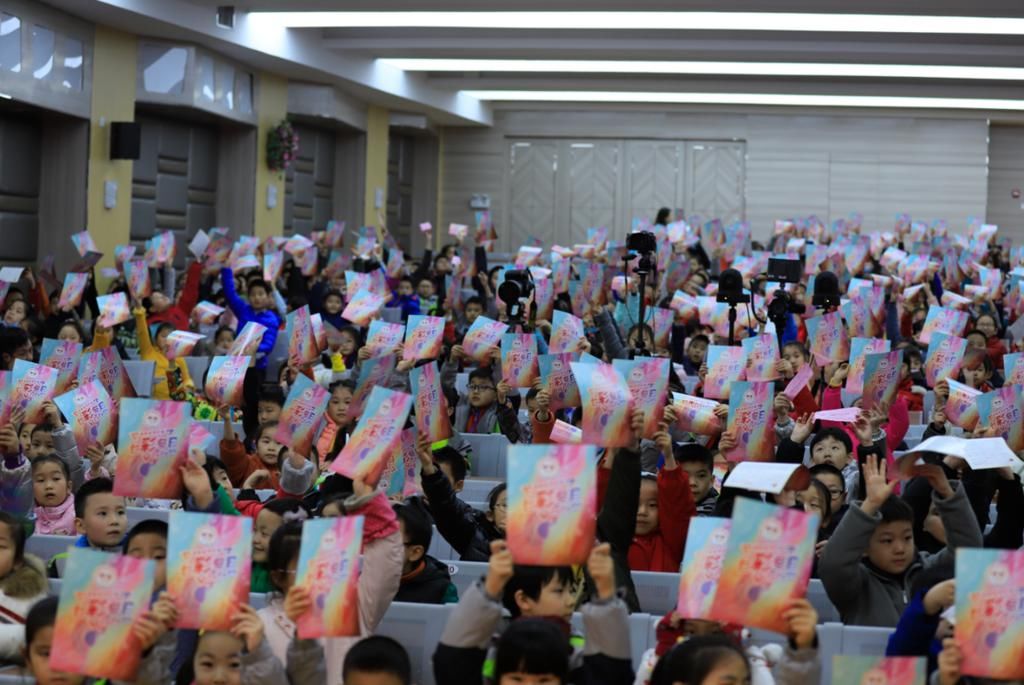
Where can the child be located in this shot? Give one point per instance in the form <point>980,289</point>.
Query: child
<point>162,309</point>
<point>531,593</point>
<point>337,425</point>
<point>696,352</point>
<point>377,660</point>
<point>834,481</point>
<point>405,298</point>
<point>470,532</point>
<point>156,351</point>
<point>259,309</point>
<point>425,580</point>
<point>39,642</point>
<point>100,520</point>
<point>241,656</point>
<point>378,582</point>
<point>828,446</point>
<point>55,505</point>
<point>148,540</point>
<point>271,516</point>
<point>699,464</point>
<point>266,457</point>
<point>870,562</point>
<point>487,408</point>
<point>22,584</point>
<point>222,340</point>
<point>270,404</point>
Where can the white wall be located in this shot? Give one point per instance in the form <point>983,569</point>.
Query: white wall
<point>829,165</point>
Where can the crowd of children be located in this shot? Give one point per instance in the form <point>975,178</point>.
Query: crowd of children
<point>885,540</point>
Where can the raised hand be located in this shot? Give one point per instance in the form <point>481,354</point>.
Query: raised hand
<point>426,455</point>
<point>297,603</point>
<point>500,568</point>
<point>941,390</point>
<point>950,662</point>
<point>877,487</point>
<point>802,620</point>
<point>602,570</point>
<point>247,625</point>
<point>802,429</point>
<point>727,442</point>
<point>782,406</point>
<point>197,483</point>
<point>862,430</point>
<point>256,478</point>
<point>936,477</point>
<point>940,597</point>
<point>52,414</point>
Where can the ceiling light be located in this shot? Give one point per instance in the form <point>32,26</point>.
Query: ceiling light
<point>833,70</point>
<point>653,21</point>
<point>786,100</point>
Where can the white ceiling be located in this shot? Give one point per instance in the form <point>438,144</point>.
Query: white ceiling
<point>346,56</point>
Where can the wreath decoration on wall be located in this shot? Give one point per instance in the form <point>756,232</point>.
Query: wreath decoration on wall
<point>282,146</point>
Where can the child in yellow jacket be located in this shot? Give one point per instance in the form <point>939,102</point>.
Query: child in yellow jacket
<point>148,351</point>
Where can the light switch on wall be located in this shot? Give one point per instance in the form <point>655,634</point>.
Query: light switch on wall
<point>378,198</point>
<point>271,196</point>
<point>109,194</point>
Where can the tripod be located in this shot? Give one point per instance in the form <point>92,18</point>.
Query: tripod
<point>644,267</point>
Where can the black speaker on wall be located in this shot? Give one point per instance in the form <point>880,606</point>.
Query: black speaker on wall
<point>125,139</point>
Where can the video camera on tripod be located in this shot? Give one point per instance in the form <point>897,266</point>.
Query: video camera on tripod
<point>514,291</point>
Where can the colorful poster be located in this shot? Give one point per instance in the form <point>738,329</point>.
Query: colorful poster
<point>272,265</point>
<point>1002,410</point>
<point>566,333</point>
<point>101,596</point>
<point>136,273</point>
<point>647,380</point>
<point>702,565</point>
<point>152,445</point>
<point>363,308</point>
<point>544,296</point>
<point>401,475</point>
<point>943,320</point>
<point>209,562</point>
<point>696,414</point>
<point>849,669</point>
<point>607,404</point>
<point>84,243</point>
<point>767,563</point>
<point>483,335</point>
<point>376,438</point>
<point>329,571</point>
<point>829,340</point>
<point>113,309</point>
<point>990,613</point>
<point>74,288</point>
<point>563,433</point>
<point>106,366</point>
<point>881,378</point>
<point>62,355</point>
<point>560,382</point>
<point>208,313</point>
<point>91,414</point>
<point>302,343</point>
<point>383,338</point>
<point>248,341</point>
<point>762,356</point>
<point>519,359</point>
<point>662,321</point>
<point>1013,368</point>
<point>224,381</point>
<point>431,407</point>
<point>423,338</point>
<point>962,405</point>
<point>301,416</point>
<point>552,503</point>
<point>945,353</point>
<point>181,343</point>
<point>750,417</point>
<point>726,365</point>
<point>859,349</point>
<point>372,372</point>
<point>31,385</point>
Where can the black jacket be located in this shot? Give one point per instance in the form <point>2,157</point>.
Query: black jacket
<point>429,586</point>
<point>466,529</point>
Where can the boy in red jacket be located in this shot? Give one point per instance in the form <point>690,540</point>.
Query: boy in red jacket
<point>665,507</point>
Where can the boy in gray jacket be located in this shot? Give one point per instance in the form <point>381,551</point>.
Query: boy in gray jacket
<point>870,562</point>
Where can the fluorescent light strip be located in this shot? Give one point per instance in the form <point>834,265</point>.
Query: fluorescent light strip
<point>787,100</point>
<point>653,21</point>
<point>834,70</point>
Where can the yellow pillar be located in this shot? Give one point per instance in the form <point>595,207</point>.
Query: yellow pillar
<point>377,124</point>
<point>272,107</point>
<point>113,99</point>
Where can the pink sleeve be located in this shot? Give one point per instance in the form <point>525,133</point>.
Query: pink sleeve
<point>899,422</point>
<point>380,520</point>
<point>832,399</point>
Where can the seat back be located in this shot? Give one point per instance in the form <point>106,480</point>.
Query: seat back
<point>490,452</point>
<point>142,375</point>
